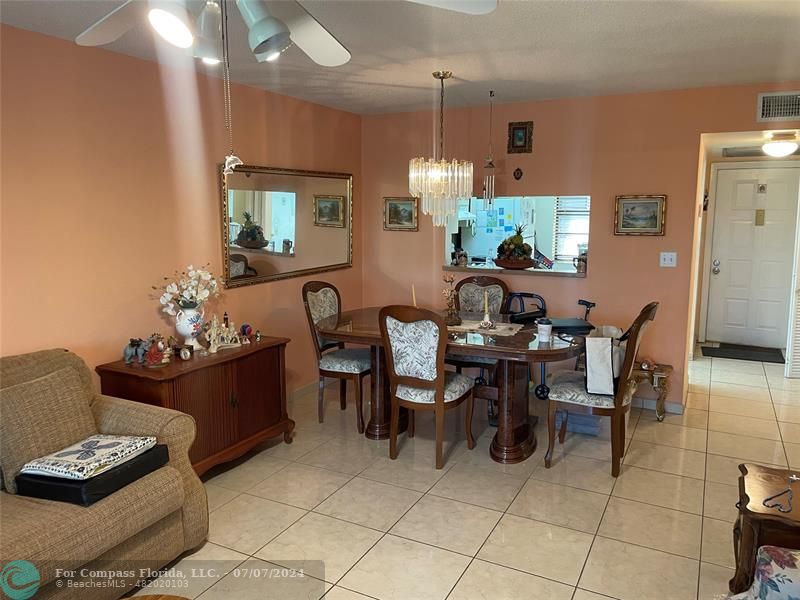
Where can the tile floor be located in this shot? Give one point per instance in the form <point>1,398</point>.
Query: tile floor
<point>399,530</point>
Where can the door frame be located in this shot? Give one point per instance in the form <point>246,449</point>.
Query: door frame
<point>709,241</point>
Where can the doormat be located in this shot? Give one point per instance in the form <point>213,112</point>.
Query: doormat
<point>770,355</point>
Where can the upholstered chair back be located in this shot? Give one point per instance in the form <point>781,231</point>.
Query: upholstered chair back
<point>470,291</point>
<point>321,300</point>
<point>415,341</point>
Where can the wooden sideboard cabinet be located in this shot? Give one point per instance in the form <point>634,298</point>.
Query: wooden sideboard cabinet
<point>236,396</point>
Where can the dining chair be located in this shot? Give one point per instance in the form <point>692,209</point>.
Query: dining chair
<point>568,393</point>
<point>469,298</point>
<point>322,300</point>
<point>415,340</point>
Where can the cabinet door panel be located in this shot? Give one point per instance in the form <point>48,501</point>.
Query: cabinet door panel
<point>206,395</point>
<point>258,391</point>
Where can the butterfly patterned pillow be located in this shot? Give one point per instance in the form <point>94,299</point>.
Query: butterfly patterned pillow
<point>90,457</point>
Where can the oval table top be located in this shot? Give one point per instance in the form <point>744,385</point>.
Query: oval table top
<point>360,326</point>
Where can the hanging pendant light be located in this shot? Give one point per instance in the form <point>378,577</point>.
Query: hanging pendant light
<point>488,165</point>
<point>438,182</point>
<point>231,160</point>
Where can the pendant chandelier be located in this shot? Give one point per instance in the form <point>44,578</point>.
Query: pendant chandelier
<point>231,160</point>
<point>488,165</point>
<point>438,182</point>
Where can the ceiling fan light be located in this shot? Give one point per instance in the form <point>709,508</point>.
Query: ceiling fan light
<point>172,25</point>
<point>273,56</point>
<point>269,36</point>
<point>208,45</point>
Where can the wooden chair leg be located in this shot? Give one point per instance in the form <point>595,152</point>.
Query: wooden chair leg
<point>321,400</point>
<point>411,423</point>
<point>551,432</point>
<point>394,421</point>
<point>359,408</point>
<point>617,442</point>
<point>439,437</point>
<point>562,432</point>
<point>468,424</point>
<point>343,394</point>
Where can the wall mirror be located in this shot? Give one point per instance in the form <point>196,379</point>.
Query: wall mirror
<point>280,223</point>
<point>555,227</point>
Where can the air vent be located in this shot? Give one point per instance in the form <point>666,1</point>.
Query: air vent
<point>779,106</point>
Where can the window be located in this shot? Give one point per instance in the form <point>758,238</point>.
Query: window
<point>571,226</point>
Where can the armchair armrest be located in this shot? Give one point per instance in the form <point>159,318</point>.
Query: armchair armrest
<point>116,416</point>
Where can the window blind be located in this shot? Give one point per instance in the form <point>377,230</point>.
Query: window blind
<point>571,225</point>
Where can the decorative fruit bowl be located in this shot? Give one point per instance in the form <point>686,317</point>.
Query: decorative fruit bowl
<point>252,243</point>
<point>515,263</point>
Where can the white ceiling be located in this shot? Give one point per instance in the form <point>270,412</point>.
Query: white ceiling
<point>525,50</point>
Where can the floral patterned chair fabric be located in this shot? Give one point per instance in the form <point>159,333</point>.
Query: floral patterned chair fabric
<point>347,360</point>
<point>455,385</point>
<point>569,386</point>
<point>470,298</point>
<point>777,575</point>
<point>413,347</point>
<point>323,304</point>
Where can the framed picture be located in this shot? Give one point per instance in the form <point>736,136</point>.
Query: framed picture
<point>640,215</point>
<point>520,137</point>
<point>400,214</point>
<point>329,211</point>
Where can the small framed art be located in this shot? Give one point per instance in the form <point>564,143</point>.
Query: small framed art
<point>640,215</point>
<point>329,211</point>
<point>400,214</point>
<point>520,137</point>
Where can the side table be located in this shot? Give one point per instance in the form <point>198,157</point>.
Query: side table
<point>658,378</point>
<point>758,525</point>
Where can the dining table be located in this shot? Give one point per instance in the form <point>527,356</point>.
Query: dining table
<point>516,348</point>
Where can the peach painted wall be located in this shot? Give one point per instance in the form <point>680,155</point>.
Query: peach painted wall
<point>601,146</point>
<point>108,182</point>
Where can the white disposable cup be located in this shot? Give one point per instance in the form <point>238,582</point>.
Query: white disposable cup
<point>544,331</point>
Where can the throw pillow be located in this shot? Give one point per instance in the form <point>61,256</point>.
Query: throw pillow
<point>39,417</point>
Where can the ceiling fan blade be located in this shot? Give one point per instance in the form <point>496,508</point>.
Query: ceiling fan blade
<point>310,36</point>
<point>469,7</point>
<point>111,27</point>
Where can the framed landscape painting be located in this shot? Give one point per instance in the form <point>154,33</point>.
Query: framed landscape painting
<point>640,215</point>
<point>329,211</point>
<point>400,214</point>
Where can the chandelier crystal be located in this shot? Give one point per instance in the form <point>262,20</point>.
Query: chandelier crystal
<point>438,182</point>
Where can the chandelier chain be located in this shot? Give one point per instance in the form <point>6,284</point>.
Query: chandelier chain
<point>226,75</point>
<point>441,120</point>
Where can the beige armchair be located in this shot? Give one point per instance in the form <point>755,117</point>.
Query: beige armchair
<point>146,524</point>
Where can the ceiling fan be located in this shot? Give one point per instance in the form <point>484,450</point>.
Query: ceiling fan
<point>268,36</point>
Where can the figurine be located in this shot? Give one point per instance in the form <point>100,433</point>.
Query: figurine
<point>221,336</point>
<point>258,335</point>
<point>136,348</point>
<point>246,330</point>
<point>156,351</point>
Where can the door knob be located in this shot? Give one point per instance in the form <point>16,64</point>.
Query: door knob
<point>715,270</point>
<point>715,262</point>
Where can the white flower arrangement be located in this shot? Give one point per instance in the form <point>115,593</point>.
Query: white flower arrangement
<point>189,289</point>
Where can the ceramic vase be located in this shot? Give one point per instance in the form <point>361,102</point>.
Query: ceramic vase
<point>189,324</point>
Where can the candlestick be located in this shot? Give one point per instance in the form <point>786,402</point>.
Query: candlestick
<point>414,295</point>
<point>486,302</point>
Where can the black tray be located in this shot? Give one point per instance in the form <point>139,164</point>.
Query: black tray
<point>88,491</point>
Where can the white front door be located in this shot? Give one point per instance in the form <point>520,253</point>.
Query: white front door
<point>752,254</point>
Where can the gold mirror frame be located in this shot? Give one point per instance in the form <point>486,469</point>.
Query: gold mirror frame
<point>301,272</point>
